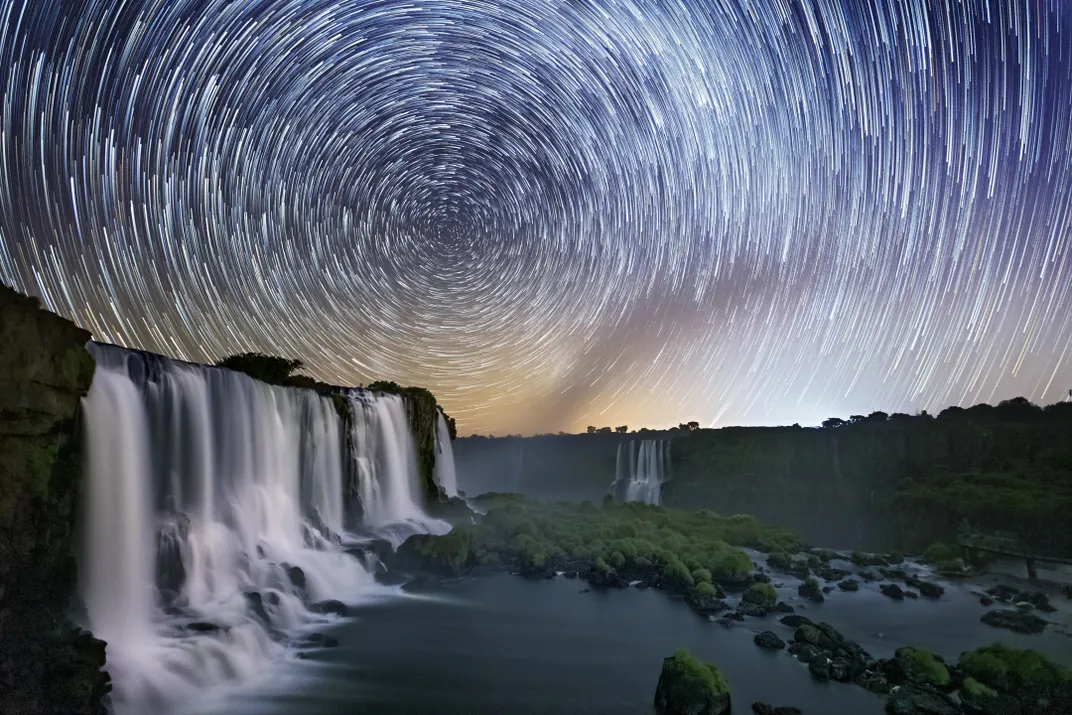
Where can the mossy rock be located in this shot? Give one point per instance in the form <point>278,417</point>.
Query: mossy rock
<point>690,687</point>
<point>922,666</point>
<point>1016,671</point>
<point>940,552</point>
<point>761,594</point>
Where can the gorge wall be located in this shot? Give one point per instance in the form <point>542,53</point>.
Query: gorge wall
<point>47,665</point>
<point>879,482</point>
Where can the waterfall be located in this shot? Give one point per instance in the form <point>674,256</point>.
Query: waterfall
<point>446,476</point>
<point>641,471</point>
<point>214,518</point>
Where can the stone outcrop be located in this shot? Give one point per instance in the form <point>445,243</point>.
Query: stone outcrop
<point>46,664</point>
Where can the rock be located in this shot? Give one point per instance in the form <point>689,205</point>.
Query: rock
<point>795,621</point>
<point>644,585</point>
<point>912,699</point>
<point>296,576</point>
<point>926,588</point>
<point>806,652</point>
<point>1039,600</point>
<point>570,574</point>
<point>892,590</point>
<point>874,682</point>
<point>760,577</point>
<point>832,574</point>
<point>764,709</point>
<point>205,627</point>
<point>808,633</point>
<point>315,637</point>
<point>1014,621</point>
<point>1004,593</point>
<point>827,589</point>
<point>725,622</point>
<point>866,575</point>
<point>986,600</point>
<point>330,642</point>
<point>783,607</point>
<point>819,667</point>
<point>736,615</point>
<point>256,604</point>
<point>841,670</point>
<point>768,639</point>
<point>331,606</point>
<point>849,584</point>
<point>911,594</point>
<point>689,687</point>
<point>585,590</point>
<point>751,610</point>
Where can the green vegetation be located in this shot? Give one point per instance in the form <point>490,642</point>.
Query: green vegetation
<point>266,368</point>
<point>1016,672</point>
<point>923,666</point>
<point>976,689</point>
<point>761,594</point>
<point>780,560</point>
<point>940,551</point>
<point>680,549</point>
<point>893,482</point>
<point>687,685</point>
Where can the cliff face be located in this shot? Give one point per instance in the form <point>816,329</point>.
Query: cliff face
<point>46,665</point>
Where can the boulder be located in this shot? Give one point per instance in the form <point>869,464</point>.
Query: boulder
<point>1004,593</point>
<point>1039,600</point>
<point>689,687</point>
<point>764,709</point>
<point>811,590</point>
<point>806,652</point>
<point>1014,621</point>
<point>892,590</point>
<point>911,594</point>
<point>926,588</point>
<point>795,621</point>
<point>570,574</point>
<point>849,584</point>
<point>841,670</point>
<point>912,699</point>
<point>986,600</point>
<point>819,667</point>
<point>751,610</point>
<point>330,642</point>
<point>331,606</point>
<point>296,576</point>
<point>832,574</point>
<point>256,605</point>
<point>206,627</point>
<point>768,639</point>
<point>760,577</point>
<point>875,682</point>
<point>783,607</point>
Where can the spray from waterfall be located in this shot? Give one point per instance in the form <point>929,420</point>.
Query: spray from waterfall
<point>641,471</point>
<point>215,517</point>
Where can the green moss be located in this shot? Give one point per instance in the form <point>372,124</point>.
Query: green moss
<point>922,666</point>
<point>732,565</point>
<point>976,689</point>
<point>780,560</point>
<point>688,685</point>
<point>762,594</point>
<point>1014,671</point>
<point>701,575</point>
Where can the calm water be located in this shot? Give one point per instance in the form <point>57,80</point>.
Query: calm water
<point>504,645</point>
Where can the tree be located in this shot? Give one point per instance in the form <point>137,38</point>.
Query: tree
<point>622,430</point>
<point>591,429</point>
<point>604,430</point>
<point>877,417</point>
<point>266,368</point>
<point>856,418</point>
<point>693,425</point>
<point>833,422</point>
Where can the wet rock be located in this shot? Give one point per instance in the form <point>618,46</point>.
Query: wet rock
<point>726,622</point>
<point>892,590</point>
<point>1004,593</point>
<point>256,605</point>
<point>689,687</point>
<point>764,709</point>
<point>795,621</point>
<point>760,577</point>
<point>911,594</point>
<point>736,615</point>
<point>331,606</point>
<point>1039,600</point>
<point>806,652</point>
<point>810,590</point>
<point>751,610</point>
<point>570,574</point>
<point>819,667</point>
<point>1014,621</point>
<point>986,600</point>
<point>832,574</point>
<point>866,575</point>
<point>849,584</point>
<point>783,607</point>
<point>875,682</point>
<point>643,586</point>
<point>585,590</point>
<point>841,670</point>
<point>315,637</point>
<point>926,588</point>
<point>330,642</point>
<point>206,627</point>
<point>272,598</point>
<point>912,699</point>
<point>768,639</point>
<point>296,576</point>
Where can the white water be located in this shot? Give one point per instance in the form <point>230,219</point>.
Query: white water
<point>446,476</point>
<point>640,473</point>
<point>204,487</point>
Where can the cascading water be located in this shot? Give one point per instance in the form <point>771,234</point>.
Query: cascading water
<point>446,476</point>
<point>215,518</point>
<point>640,473</point>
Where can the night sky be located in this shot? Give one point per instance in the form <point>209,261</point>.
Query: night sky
<point>558,213</point>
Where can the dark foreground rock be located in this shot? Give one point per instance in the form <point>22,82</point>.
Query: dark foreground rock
<point>892,590</point>
<point>46,664</point>
<point>764,709</point>
<point>689,687</point>
<point>337,607</point>
<point>768,639</point>
<point>912,699</point>
<point>1014,621</point>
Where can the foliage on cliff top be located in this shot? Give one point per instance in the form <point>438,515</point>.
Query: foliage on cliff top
<point>685,546</point>
<point>271,369</point>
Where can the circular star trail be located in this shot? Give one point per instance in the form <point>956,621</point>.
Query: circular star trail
<point>558,213</point>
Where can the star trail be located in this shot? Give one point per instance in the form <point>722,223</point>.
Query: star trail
<point>558,213</point>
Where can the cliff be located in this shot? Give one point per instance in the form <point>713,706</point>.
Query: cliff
<point>46,665</point>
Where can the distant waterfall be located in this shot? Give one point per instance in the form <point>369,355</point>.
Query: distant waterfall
<point>446,475</point>
<point>641,472</point>
<point>214,516</point>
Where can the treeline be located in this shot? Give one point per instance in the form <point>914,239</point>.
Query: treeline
<point>893,481</point>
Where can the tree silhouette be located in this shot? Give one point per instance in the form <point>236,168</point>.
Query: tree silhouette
<point>622,430</point>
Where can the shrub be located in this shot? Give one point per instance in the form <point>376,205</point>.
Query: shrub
<point>732,565</point>
<point>780,560</point>
<point>921,665</point>
<point>687,685</point>
<point>940,551</point>
<point>1014,671</point>
<point>676,576</point>
<point>701,576</point>
<point>761,594</point>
